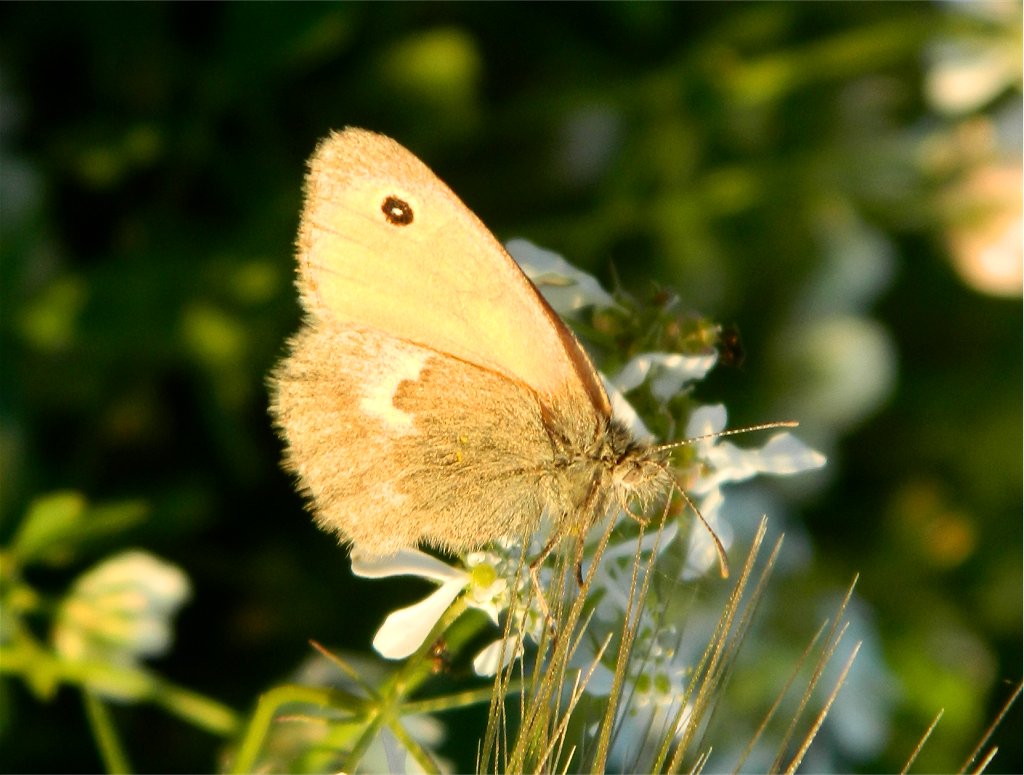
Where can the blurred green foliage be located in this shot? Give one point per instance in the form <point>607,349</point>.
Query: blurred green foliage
<point>817,174</point>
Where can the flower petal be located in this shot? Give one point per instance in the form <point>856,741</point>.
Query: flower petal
<point>120,610</point>
<point>783,454</point>
<point>405,629</point>
<point>565,287</point>
<point>487,661</point>
<point>624,412</point>
<point>406,562</point>
<point>786,454</point>
<point>670,372</point>
<point>705,420</point>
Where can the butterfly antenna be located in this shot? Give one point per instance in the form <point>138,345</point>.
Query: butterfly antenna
<point>730,432</point>
<point>723,562</point>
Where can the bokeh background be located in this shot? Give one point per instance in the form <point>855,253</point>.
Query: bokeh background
<point>840,181</point>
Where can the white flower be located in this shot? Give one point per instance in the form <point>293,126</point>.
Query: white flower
<point>486,580</point>
<point>614,573</point>
<point>721,462</point>
<point>120,610</point>
<point>565,287</point>
<point>656,681</point>
<point>405,629</point>
<point>668,372</point>
<point>783,453</point>
<point>965,75</point>
<point>492,579</point>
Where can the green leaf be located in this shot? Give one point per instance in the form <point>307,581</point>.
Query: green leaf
<point>57,522</point>
<point>50,519</point>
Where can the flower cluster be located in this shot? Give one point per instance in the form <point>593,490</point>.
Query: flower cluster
<point>121,610</point>
<point>490,580</point>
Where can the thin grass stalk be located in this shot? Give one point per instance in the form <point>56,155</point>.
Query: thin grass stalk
<point>495,738</point>
<point>739,632</point>
<point>537,719</point>
<point>828,650</point>
<point>406,680</point>
<point>820,718</point>
<point>989,730</point>
<point>634,610</point>
<point>112,752</point>
<point>637,765</point>
<point>779,698</point>
<point>921,742</point>
<point>835,634</point>
<point>691,688</point>
<point>629,623</point>
<point>700,762</point>
<point>559,718</point>
<point>648,579</point>
<point>535,712</point>
<point>577,692</point>
<point>456,700</point>
<point>420,754</point>
<point>985,760</point>
<point>706,672</point>
<point>266,712</point>
<point>350,672</point>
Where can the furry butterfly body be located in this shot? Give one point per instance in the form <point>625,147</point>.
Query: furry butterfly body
<point>432,396</point>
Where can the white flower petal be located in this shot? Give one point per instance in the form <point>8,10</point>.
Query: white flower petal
<point>487,661</point>
<point>492,601</point>
<point>705,420</point>
<point>624,412</point>
<point>405,629</point>
<point>600,683</point>
<point>120,610</point>
<point>783,454</point>
<point>164,586</point>
<point>670,372</point>
<point>406,562</point>
<point>730,464</point>
<point>786,454</point>
<point>565,287</point>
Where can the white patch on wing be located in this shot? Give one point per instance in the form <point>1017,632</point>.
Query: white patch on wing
<point>392,366</point>
<point>387,496</point>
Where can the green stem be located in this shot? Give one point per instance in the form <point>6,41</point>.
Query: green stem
<point>402,683</point>
<point>107,740</point>
<point>457,700</point>
<point>383,707</point>
<point>267,709</point>
<point>417,751</point>
<point>124,682</point>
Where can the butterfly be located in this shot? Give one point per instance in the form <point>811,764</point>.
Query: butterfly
<point>432,396</point>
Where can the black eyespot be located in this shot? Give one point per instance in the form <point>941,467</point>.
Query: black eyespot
<point>397,211</point>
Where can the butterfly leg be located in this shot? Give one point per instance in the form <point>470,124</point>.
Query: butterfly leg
<point>639,518</point>
<point>534,568</point>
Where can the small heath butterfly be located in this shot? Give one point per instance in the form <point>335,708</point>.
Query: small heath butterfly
<point>432,396</point>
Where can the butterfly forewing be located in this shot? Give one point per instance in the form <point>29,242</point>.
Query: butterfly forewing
<point>385,245</point>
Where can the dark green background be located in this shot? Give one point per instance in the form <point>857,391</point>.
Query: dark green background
<point>152,161</point>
